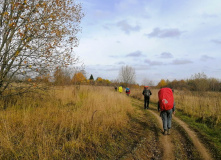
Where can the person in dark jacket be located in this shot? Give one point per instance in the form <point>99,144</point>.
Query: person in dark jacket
<point>147,93</point>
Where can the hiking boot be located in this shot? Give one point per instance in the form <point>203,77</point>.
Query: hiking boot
<point>164,132</point>
<point>168,132</point>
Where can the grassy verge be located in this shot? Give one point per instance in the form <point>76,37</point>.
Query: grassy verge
<point>69,123</point>
<point>209,135</point>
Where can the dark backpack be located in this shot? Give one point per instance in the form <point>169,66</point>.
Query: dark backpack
<point>146,93</point>
<point>166,99</point>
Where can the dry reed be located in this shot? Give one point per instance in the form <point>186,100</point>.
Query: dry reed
<point>68,123</point>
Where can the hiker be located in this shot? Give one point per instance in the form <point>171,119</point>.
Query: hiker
<point>115,88</point>
<point>120,89</point>
<point>147,93</point>
<point>166,105</point>
<point>127,91</point>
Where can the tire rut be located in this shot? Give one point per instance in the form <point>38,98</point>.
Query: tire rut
<point>199,146</point>
<point>166,141</point>
<point>168,144</point>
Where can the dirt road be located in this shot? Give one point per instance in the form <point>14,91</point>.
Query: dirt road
<point>183,142</point>
<point>165,140</point>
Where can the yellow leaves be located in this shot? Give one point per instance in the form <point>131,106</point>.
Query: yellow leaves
<point>162,83</point>
<point>25,62</point>
<point>6,13</point>
<point>25,1</point>
<point>11,24</point>
<point>17,53</point>
<point>29,79</point>
<point>78,77</point>
<point>30,66</point>
<point>46,24</point>
<point>29,39</point>
<point>58,33</point>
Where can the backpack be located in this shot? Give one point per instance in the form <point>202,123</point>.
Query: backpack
<point>146,93</point>
<point>166,99</point>
<point>127,90</point>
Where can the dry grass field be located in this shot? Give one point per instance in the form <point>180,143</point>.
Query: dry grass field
<point>66,122</point>
<point>206,106</point>
<point>89,122</point>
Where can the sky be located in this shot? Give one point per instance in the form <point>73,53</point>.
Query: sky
<point>160,39</point>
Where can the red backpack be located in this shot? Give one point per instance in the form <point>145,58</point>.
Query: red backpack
<point>166,99</point>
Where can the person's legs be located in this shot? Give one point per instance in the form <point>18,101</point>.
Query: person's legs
<point>169,120</point>
<point>148,101</point>
<point>164,119</point>
<point>145,102</point>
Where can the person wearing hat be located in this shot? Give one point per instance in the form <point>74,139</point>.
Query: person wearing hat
<point>147,93</point>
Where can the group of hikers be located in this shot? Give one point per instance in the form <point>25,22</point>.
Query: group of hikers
<point>120,89</point>
<point>166,104</point>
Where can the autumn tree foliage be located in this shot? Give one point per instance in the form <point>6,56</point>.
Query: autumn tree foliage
<point>35,37</point>
<point>102,82</point>
<point>162,83</point>
<point>78,78</point>
<point>197,82</point>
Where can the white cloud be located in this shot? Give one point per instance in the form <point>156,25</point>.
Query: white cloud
<point>166,55</point>
<point>165,33</point>
<point>181,61</point>
<point>206,58</point>
<point>151,36</point>
<point>135,54</point>
<point>216,41</point>
<point>127,28</point>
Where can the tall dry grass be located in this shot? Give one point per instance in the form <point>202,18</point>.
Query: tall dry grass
<point>206,106</point>
<point>66,123</point>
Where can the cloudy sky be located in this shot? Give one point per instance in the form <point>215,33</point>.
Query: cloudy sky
<point>160,39</point>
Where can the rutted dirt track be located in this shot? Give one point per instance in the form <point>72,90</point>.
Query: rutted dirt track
<point>183,142</point>
<point>199,146</point>
<point>166,141</point>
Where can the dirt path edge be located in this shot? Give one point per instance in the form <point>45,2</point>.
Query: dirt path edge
<point>199,146</point>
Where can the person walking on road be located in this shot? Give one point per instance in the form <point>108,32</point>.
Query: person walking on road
<point>166,106</point>
<point>120,89</point>
<point>147,93</point>
<point>128,91</point>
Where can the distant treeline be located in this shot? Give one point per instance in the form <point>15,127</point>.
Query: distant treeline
<point>197,82</point>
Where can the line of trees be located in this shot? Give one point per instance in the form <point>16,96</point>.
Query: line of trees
<point>197,82</point>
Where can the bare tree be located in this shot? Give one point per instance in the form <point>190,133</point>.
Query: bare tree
<point>36,36</point>
<point>127,75</point>
<point>147,82</point>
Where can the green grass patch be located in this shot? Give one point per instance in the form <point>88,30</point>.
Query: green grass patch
<point>209,135</point>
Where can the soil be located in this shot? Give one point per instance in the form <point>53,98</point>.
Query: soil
<point>183,143</point>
